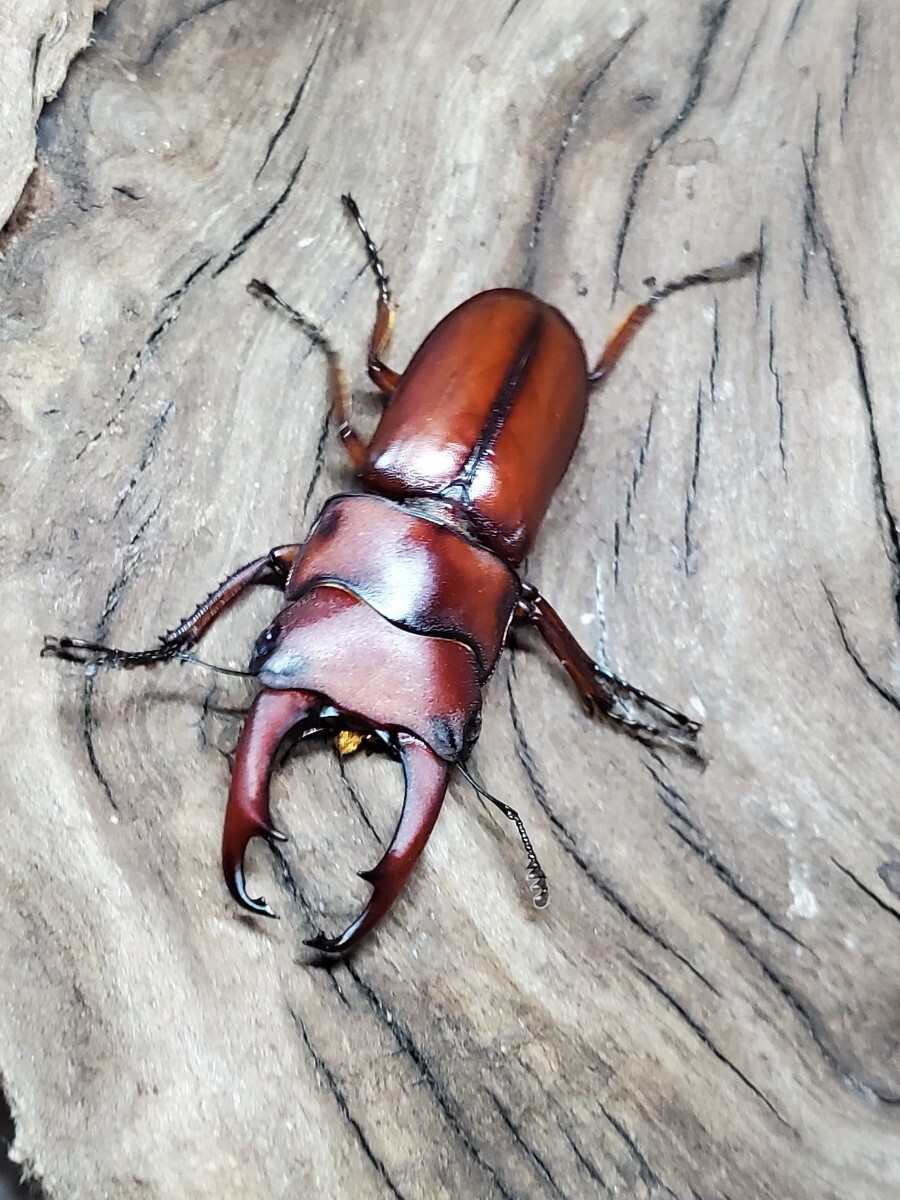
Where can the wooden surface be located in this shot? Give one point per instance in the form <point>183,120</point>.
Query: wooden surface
<point>709,1007</point>
<point>38,40</point>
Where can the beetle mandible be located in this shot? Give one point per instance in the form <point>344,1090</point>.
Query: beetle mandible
<point>402,597</point>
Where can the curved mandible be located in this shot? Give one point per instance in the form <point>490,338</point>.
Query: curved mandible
<point>427,776</point>
<point>272,715</point>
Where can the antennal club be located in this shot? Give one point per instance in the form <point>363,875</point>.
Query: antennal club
<point>534,876</point>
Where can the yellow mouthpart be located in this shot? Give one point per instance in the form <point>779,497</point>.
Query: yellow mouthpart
<point>348,742</point>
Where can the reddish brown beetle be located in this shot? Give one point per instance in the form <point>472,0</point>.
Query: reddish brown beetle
<point>401,599</point>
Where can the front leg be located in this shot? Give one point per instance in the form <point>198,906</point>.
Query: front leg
<point>638,713</point>
<point>272,570</point>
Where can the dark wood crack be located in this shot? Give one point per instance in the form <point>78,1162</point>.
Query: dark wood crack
<point>547,185</point>
<point>450,1109</point>
<point>697,1029</point>
<point>879,688</point>
<point>696,83</point>
<point>568,843</point>
<point>291,111</point>
<point>263,222</point>
<point>867,891</point>
<point>812,1022</point>
<point>325,1073</point>
<point>165,320</point>
<point>527,1150</point>
<point>690,566</point>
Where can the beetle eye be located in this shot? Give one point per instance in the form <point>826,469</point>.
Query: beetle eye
<point>265,644</point>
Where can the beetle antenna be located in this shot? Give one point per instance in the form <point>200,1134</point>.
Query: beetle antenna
<point>535,877</point>
<point>186,657</point>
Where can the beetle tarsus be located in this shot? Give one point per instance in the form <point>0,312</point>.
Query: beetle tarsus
<point>94,654</point>
<point>636,712</point>
<point>270,569</point>
<point>639,713</point>
<point>380,373</point>
<point>375,261</point>
<point>338,391</point>
<point>636,318</point>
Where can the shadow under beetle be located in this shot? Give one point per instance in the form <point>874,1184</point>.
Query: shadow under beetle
<point>401,599</point>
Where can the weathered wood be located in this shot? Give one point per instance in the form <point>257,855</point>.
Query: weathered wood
<point>38,40</point>
<point>708,1008</point>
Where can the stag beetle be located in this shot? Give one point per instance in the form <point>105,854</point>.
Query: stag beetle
<point>402,597</point>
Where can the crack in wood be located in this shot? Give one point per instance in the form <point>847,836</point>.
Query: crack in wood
<point>754,45</point>
<point>690,566</point>
<point>631,490</point>
<point>452,1113</point>
<point>528,1151</point>
<point>547,183</point>
<point>852,69</point>
<point>714,353</point>
<point>87,737</point>
<point>292,109</point>
<point>648,1176</point>
<point>675,803</point>
<point>867,891</point>
<point>673,800</point>
<point>884,692</point>
<point>696,82</point>
<point>509,12</point>
<point>761,256</point>
<point>567,842</point>
<point>266,219</point>
<point>812,1022</point>
<point>356,800</point>
<point>113,596</point>
<point>887,521</point>
<point>164,35</point>
<point>164,323</point>
<point>152,445</point>
<point>340,1099</point>
<point>583,1161</point>
<point>795,17</point>
<point>703,1035</point>
<point>779,397</point>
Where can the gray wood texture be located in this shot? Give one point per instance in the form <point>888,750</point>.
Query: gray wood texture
<point>708,1009</point>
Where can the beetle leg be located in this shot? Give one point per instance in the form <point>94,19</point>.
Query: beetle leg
<point>427,777</point>
<point>271,569</point>
<point>381,375</point>
<point>338,391</point>
<point>647,719</point>
<point>627,331</point>
<point>272,716</point>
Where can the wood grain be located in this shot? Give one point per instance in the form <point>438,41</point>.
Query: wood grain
<point>709,1006</point>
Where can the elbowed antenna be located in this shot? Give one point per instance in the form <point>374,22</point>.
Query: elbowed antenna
<point>534,875</point>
